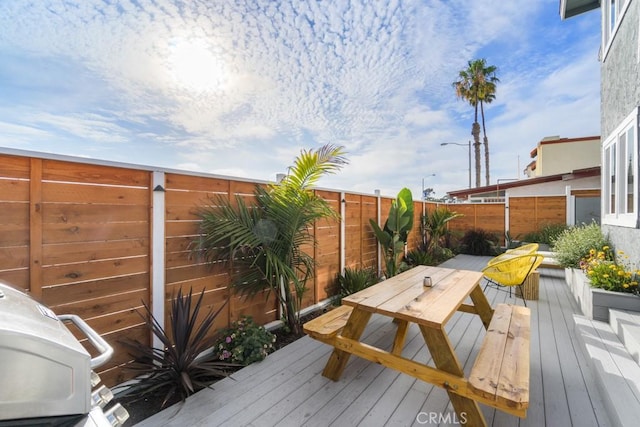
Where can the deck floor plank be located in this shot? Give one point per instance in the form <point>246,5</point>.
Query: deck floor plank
<point>555,399</point>
<point>357,410</point>
<point>287,389</point>
<point>579,401</point>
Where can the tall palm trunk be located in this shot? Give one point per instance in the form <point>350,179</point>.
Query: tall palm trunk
<point>477,85</point>
<point>475,131</point>
<point>486,145</point>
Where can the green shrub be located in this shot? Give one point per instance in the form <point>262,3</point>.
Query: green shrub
<point>418,257</point>
<point>575,243</point>
<point>479,242</point>
<point>244,342</point>
<point>355,279</point>
<point>548,234</point>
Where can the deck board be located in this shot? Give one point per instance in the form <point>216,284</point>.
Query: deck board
<point>287,389</point>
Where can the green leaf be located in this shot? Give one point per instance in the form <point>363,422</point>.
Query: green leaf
<point>263,242</point>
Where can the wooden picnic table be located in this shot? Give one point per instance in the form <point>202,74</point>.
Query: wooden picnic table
<point>404,299</point>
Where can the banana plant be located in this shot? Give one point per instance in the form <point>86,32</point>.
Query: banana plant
<point>393,237</point>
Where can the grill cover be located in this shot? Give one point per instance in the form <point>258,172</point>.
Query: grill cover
<point>44,370</point>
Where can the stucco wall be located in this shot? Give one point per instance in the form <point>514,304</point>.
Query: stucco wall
<point>620,80</point>
<point>625,239</point>
<point>567,156</point>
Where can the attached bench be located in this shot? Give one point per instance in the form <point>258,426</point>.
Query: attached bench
<point>325,327</point>
<point>500,375</point>
<point>550,260</point>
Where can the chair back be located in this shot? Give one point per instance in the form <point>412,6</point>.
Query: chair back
<point>513,271</point>
<point>529,248</point>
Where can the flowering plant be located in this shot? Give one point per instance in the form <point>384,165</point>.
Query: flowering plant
<point>244,342</point>
<point>573,244</point>
<point>609,271</point>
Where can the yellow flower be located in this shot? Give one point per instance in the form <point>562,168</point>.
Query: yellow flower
<point>625,286</point>
<point>605,275</point>
<point>605,248</point>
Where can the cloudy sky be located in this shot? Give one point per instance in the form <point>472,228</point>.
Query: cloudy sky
<point>239,87</point>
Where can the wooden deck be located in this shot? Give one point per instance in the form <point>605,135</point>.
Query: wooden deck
<point>287,389</point>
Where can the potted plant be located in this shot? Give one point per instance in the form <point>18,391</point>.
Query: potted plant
<point>572,245</point>
<point>611,282</point>
<point>594,273</point>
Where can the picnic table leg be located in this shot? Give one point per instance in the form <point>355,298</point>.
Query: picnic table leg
<point>482,306</point>
<point>444,358</point>
<point>353,329</point>
<point>401,334</point>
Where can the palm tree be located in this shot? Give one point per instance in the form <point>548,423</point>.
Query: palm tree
<point>477,85</point>
<point>263,242</point>
<point>487,95</point>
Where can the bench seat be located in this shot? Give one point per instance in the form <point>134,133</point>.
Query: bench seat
<point>550,260</point>
<point>500,375</point>
<point>326,326</point>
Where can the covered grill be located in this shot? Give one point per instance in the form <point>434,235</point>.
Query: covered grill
<point>46,375</point>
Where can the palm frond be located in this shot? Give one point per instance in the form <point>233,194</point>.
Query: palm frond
<point>264,241</point>
<point>308,168</point>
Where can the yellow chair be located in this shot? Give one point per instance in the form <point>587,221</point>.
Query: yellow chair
<point>512,271</point>
<point>529,248</point>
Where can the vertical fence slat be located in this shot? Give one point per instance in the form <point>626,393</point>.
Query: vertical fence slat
<point>35,229</point>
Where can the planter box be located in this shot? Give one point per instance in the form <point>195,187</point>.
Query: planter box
<point>595,303</point>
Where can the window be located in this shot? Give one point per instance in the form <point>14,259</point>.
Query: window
<point>619,174</point>
<point>612,13</point>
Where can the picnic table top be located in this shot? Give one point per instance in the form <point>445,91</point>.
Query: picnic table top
<point>404,296</point>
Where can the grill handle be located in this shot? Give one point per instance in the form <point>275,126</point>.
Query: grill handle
<point>106,351</point>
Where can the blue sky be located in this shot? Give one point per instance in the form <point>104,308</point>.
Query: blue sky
<point>238,88</point>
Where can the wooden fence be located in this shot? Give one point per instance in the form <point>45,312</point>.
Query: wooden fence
<point>100,240</point>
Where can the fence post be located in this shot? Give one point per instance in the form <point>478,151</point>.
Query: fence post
<point>571,206</point>
<point>378,218</point>
<point>506,217</point>
<point>343,231</point>
<point>35,229</point>
<point>158,250</point>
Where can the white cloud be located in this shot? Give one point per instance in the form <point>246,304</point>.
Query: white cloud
<point>280,75</point>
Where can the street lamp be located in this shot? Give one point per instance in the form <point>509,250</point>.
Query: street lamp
<point>462,145</point>
<point>424,196</point>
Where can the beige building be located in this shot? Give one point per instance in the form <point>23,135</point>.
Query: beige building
<point>555,155</point>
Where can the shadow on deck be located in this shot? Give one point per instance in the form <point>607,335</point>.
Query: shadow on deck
<point>287,389</point>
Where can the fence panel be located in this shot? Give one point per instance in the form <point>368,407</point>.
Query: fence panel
<point>14,227</point>
<point>530,214</point>
<point>78,237</point>
<point>327,250</point>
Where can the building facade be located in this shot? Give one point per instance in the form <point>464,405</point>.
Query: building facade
<point>554,155</point>
<point>620,101</point>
